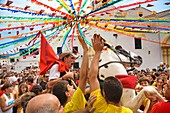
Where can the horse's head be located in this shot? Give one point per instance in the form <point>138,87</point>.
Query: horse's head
<point>130,58</point>
<point>113,61</point>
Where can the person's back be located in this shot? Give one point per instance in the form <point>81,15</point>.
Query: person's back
<point>109,102</point>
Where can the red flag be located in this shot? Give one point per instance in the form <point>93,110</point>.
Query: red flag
<point>48,57</point>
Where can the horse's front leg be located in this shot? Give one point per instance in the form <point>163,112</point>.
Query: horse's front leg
<point>131,100</point>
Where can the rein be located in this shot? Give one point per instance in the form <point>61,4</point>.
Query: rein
<point>123,52</point>
<point>115,62</point>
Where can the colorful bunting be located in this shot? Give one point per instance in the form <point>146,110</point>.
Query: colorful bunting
<point>53,21</point>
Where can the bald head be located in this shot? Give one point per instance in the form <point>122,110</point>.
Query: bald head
<point>44,103</point>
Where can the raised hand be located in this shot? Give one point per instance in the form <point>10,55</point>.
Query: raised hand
<point>83,43</point>
<point>97,42</point>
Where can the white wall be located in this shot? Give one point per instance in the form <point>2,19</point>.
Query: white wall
<point>23,63</point>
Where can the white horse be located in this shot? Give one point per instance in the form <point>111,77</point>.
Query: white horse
<point>113,63</point>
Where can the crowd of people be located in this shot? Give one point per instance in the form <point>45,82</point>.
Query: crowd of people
<point>78,90</point>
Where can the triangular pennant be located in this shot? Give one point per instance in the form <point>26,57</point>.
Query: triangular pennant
<point>31,29</point>
<point>41,11</point>
<point>9,2</point>
<point>17,32</point>
<point>167,3</point>
<point>26,7</point>
<point>149,5</point>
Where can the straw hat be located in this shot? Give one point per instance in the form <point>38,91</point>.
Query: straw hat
<point>66,53</point>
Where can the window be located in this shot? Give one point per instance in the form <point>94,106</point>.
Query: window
<point>138,43</point>
<point>23,52</point>
<point>12,60</point>
<point>34,51</point>
<point>75,49</point>
<point>76,65</point>
<point>59,50</point>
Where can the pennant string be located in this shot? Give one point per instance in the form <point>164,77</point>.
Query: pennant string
<point>51,8</point>
<point>82,7</point>
<point>72,7</point>
<point>1,29</point>
<point>82,35</point>
<point>65,37</point>
<point>65,6</point>
<point>104,6</point>
<point>123,6</point>
<point>78,9</point>
<point>72,37</point>
<point>60,28</point>
<point>26,12</point>
<point>29,46</point>
<point>33,12</point>
<point>22,39</point>
<point>126,33</point>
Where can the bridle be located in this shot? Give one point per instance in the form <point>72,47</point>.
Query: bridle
<point>132,60</point>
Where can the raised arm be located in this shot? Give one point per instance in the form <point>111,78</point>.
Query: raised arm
<point>84,66</point>
<point>98,45</point>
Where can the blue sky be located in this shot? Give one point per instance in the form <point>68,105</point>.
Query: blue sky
<point>158,7</point>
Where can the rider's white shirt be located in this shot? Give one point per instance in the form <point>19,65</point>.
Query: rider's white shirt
<point>54,73</point>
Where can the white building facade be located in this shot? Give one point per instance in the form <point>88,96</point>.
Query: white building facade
<point>152,52</point>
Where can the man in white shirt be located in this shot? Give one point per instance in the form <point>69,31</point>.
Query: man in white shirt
<point>68,58</point>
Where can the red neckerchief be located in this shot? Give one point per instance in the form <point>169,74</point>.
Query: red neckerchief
<point>62,67</point>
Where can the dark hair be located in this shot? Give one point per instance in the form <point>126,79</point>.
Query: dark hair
<point>143,71</point>
<point>156,74</point>
<point>153,76</point>
<point>5,86</point>
<point>113,89</point>
<point>22,85</point>
<point>143,79</point>
<point>30,79</point>
<point>25,98</point>
<point>160,79</point>
<point>154,69</point>
<point>59,90</point>
<point>36,89</point>
<point>6,76</point>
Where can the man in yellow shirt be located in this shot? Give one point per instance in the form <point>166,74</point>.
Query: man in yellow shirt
<point>112,88</point>
<point>69,98</point>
